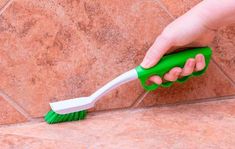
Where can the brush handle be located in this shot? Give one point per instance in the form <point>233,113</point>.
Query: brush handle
<point>170,61</point>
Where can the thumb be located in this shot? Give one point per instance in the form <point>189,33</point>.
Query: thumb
<point>156,51</point>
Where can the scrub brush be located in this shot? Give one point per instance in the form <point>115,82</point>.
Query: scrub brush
<point>75,109</point>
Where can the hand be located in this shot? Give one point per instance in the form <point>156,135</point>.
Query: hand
<point>188,30</point>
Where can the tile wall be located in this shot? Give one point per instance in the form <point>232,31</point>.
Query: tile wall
<point>53,50</point>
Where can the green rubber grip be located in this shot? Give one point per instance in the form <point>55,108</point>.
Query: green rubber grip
<point>170,61</point>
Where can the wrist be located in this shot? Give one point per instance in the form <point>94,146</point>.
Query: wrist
<point>215,14</point>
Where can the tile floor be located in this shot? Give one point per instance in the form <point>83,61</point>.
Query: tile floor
<point>209,124</point>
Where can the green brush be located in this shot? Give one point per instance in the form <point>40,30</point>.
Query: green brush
<point>75,109</point>
<point>52,117</point>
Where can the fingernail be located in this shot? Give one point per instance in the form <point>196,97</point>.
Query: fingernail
<point>145,63</point>
<point>200,58</point>
<point>158,81</point>
<point>177,72</point>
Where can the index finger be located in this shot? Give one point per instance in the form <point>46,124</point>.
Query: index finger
<point>156,51</point>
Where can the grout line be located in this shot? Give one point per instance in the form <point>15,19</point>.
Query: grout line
<point>185,102</point>
<point>8,3</point>
<point>15,105</point>
<point>165,9</point>
<point>117,125</point>
<point>34,121</point>
<point>195,101</point>
<point>133,106</point>
<point>230,79</point>
<point>139,99</point>
<point>161,106</point>
<point>34,137</point>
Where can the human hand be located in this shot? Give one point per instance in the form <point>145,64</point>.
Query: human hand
<point>187,31</point>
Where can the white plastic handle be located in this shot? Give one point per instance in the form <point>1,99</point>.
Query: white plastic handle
<point>123,78</point>
<point>83,103</point>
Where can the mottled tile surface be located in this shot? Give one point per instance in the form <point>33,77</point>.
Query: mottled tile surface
<point>201,125</point>
<point>59,49</point>
<point>9,114</point>
<point>178,7</point>
<point>15,142</point>
<point>211,84</point>
<point>224,46</point>
<point>215,83</point>
<point>224,41</point>
<point>54,50</point>
<point>3,3</point>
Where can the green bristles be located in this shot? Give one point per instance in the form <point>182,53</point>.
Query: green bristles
<point>52,117</point>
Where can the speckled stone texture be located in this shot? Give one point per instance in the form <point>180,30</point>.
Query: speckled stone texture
<point>177,8</point>
<point>194,126</point>
<point>212,84</point>
<point>224,44</point>
<point>8,114</point>
<point>3,3</point>
<point>61,49</point>
<point>218,81</point>
<point>56,50</point>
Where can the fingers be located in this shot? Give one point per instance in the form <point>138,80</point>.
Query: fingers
<point>200,62</point>
<point>156,79</point>
<point>173,74</point>
<point>188,67</point>
<point>156,51</point>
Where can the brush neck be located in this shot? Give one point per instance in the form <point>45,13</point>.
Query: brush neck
<point>123,78</point>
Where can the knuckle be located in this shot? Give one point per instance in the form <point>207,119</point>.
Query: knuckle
<point>152,53</point>
<point>170,78</point>
<point>200,67</point>
<point>186,73</point>
<point>167,37</point>
<point>174,79</point>
<point>178,69</point>
<point>166,77</point>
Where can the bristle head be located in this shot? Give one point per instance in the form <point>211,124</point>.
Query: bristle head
<point>52,117</point>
